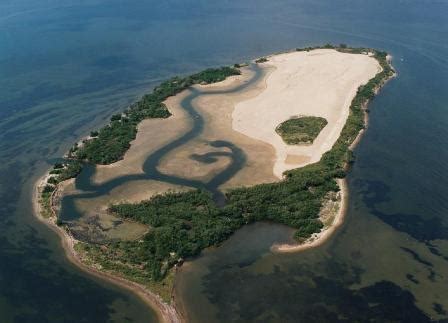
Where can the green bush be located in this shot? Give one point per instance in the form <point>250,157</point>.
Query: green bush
<point>301,130</point>
<point>52,180</point>
<point>48,189</point>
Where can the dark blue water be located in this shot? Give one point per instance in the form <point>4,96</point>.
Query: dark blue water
<point>66,66</point>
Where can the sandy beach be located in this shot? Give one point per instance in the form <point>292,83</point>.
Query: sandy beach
<point>319,83</point>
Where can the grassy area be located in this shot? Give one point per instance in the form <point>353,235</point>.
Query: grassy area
<point>301,130</point>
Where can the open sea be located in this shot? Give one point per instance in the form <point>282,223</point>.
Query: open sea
<point>67,66</point>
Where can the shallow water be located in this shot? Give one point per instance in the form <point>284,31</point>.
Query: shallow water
<point>66,66</point>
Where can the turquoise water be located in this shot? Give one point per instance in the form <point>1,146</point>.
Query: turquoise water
<point>66,66</point>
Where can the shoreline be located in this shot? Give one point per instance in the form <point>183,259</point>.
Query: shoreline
<point>169,312</point>
<point>165,312</point>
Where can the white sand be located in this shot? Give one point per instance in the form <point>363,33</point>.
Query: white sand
<point>319,83</point>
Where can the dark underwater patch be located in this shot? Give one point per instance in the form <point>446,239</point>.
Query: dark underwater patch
<point>439,309</point>
<point>300,295</point>
<point>412,278</point>
<point>421,228</point>
<point>416,256</point>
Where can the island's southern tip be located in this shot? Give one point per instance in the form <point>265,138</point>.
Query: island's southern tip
<point>203,155</point>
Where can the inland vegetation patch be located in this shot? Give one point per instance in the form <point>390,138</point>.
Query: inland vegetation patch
<point>301,130</point>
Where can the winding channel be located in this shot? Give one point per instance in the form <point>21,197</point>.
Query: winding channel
<point>84,182</point>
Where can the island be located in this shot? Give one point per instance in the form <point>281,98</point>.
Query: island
<point>187,165</point>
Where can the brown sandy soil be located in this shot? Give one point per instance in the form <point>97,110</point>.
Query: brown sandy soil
<point>217,110</point>
<point>179,161</point>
